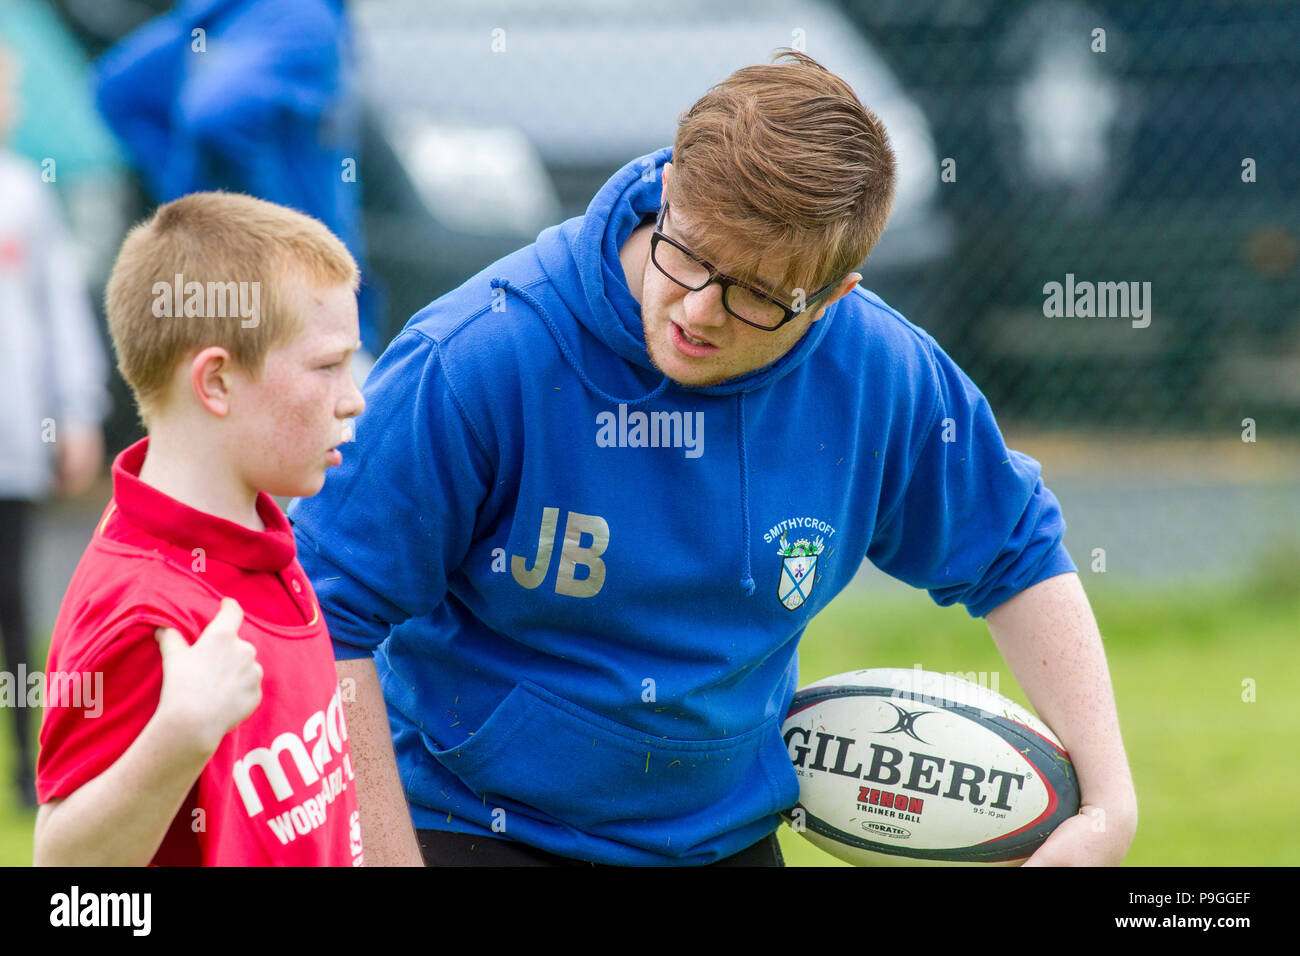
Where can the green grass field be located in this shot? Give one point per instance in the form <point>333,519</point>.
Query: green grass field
<point>1212,770</point>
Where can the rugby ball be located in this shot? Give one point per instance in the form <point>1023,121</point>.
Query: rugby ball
<point>916,768</point>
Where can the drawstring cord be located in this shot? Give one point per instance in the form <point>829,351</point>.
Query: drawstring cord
<point>747,580</point>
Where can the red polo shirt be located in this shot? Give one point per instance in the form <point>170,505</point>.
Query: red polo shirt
<point>279,790</point>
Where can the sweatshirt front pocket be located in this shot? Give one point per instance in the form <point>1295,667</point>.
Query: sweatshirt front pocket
<point>607,779</point>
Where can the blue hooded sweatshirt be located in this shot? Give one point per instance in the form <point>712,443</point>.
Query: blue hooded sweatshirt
<point>260,102</point>
<point>584,585</point>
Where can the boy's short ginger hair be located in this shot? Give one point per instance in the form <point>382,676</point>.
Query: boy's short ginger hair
<point>216,239</point>
<point>786,156</point>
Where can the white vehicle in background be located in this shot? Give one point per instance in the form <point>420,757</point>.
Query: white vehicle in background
<point>499,118</point>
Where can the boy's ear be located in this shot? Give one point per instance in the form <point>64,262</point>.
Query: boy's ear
<point>210,379</point>
<point>667,170</point>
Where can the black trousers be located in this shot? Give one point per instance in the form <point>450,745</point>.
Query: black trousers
<point>442,848</point>
<point>15,626</point>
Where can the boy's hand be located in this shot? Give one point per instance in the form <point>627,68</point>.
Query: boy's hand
<point>121,817</point>
<point>211,686</point>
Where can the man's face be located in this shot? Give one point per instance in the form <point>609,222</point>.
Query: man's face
<point>293,417</point>
<point>673,316</point>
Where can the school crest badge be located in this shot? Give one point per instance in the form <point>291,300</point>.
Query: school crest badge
<point>798,571</point>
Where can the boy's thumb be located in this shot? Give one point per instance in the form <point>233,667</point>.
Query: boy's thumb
<point>169,640</point>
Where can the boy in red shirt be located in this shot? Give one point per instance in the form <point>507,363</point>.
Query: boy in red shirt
<point>218,737</point>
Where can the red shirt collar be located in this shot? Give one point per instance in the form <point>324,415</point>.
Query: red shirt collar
<point>166,518</point>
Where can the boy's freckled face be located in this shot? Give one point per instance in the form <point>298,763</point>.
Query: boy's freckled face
<point>293,417</point>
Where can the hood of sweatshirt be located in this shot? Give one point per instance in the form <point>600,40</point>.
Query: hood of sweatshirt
<point>581,259</point>
<point>587,248</point>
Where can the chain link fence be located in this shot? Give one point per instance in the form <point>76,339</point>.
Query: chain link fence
<point>1113,143</point>
<point>1098,212</point>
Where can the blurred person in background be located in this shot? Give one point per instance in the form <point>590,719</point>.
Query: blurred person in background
<point>53,397</point>
<point>251,96</point>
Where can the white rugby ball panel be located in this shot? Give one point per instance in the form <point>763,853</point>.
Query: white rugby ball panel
<point>944,687</point>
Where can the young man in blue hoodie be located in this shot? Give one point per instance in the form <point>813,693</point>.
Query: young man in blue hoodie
<point>566,535</point>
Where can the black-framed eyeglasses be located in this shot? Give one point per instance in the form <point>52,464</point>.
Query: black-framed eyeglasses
<point>741,300</point>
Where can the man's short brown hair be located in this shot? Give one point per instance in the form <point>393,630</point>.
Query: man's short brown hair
<point>228,244</point>
<point>782,164</point>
